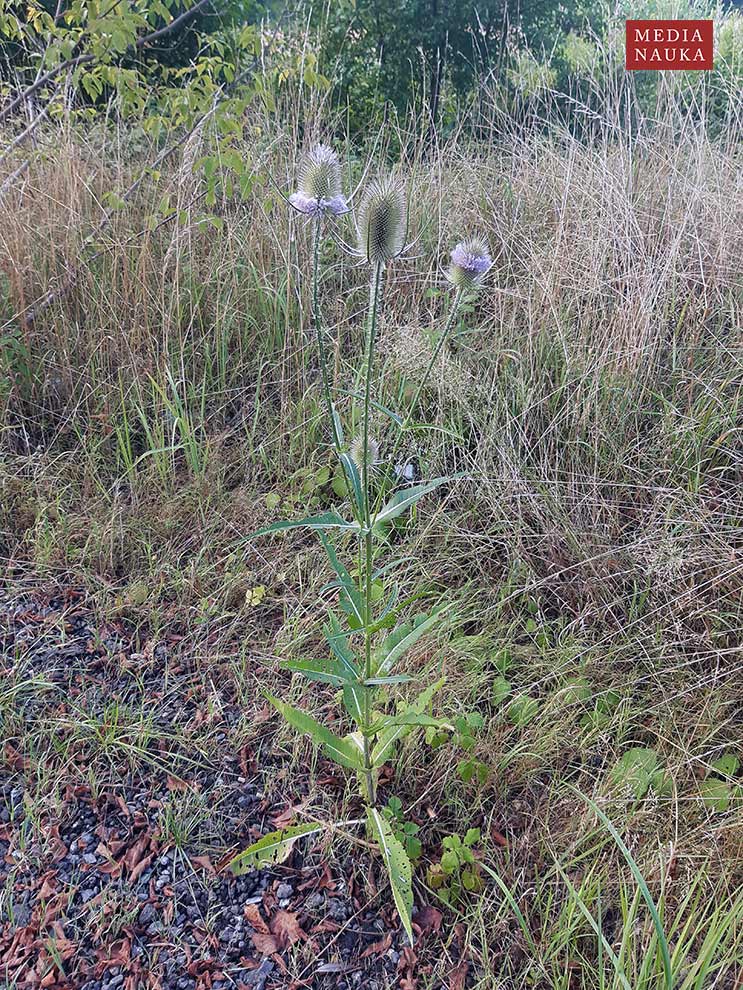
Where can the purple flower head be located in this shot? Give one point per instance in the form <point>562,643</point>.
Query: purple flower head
<point>318,207</point>
<point>470,262</point>
<point>319,189</point>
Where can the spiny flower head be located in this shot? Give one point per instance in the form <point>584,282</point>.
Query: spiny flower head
<point>357,454</point>
<point>382,221</point>
<point>470,262</point>
<point>319,183</point>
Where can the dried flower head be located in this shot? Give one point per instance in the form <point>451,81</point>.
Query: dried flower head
<point>470,262</point>
<point>382,221</point>
<point>357,454</point>
<point>319,184</point>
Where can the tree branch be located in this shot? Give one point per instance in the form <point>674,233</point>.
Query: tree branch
<point>76,59</point>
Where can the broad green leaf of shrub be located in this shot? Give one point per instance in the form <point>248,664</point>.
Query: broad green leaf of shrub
<point>351,600</point>
<point>408,497</point>
<point>403,638</point>
<point>327,671</point>
<point>575,691</point>
<point>338,643</point>
<point>397,865</point>
<point>661,783</point>
<point>393,732</point>
<point>272,848</point>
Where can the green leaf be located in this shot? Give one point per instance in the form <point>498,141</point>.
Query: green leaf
<point>327,520</point>
<point>392,679</point>
<point>353,701</point>
<point>398,867</point>
<point>522,709</point>
<point>658,924</point>
<point>272,848</point>
<point>338,643</point>
<point>727,765</point>
<point>501,690</point>
<point>471,881</point>
<point>328,671</point>
<point>471,836</point>
<point>410,719</point>
<point>340,750</point>
<point>634,770</point>
<point>401,639</point>
<point>398,730</point>
<point>449,862</point>
<point>715,794</point>
<point>352,476</point>
<point>407,497</point>
<point>351,600</point>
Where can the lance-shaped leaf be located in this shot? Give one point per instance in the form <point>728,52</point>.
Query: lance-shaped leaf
<point>338,643</point>
<point>272,848</point>
<point>411,719</point>
<point>327,671</point>
<point>382,681</point>
<point>351,600</point>
<point>397,865</point>
<point>353,701</point>
<point>340,750</point>
<point>326,520</point>
<point>401,639</point>
<point>393,733</point>
<point>354,482</point>
<point>407,497</point>
<point>353,692</point>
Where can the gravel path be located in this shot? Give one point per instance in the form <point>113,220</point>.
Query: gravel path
<point>115,829</point>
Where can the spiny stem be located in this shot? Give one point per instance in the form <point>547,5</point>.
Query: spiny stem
<point>368,545</point>
<point>317,320</point>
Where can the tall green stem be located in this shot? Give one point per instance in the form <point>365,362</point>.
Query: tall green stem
<point>317,320</point>
<point>368,546</point>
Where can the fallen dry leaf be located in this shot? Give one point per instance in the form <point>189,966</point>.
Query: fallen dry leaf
<point>176,784</point>
<point>498,837</point>
<point>205,863</point>
<point>264,944</point>
<point>255,919</point>
<point>378,948</point>
<point>458,975</point>
<point>428,919</point>
<point>285,928</point>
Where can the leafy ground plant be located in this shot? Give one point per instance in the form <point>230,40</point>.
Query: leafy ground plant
<point>363,663</point>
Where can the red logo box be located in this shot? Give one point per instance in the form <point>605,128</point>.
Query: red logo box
<point>669,45</point>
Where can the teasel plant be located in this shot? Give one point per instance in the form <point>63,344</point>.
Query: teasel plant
<point>367,644</point>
